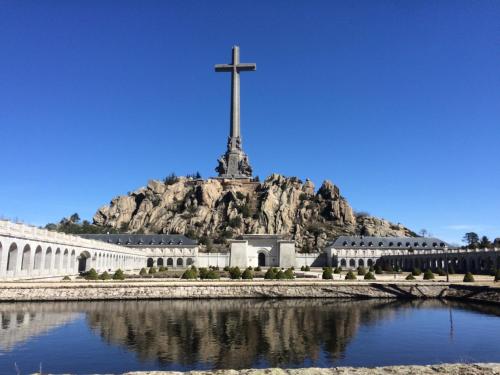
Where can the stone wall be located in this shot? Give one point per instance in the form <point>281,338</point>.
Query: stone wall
<point>74,291</point>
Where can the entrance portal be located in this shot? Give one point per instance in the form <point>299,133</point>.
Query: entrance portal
<point>262,260</point>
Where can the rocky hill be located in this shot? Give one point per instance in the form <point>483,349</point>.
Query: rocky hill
<point>216,210</point>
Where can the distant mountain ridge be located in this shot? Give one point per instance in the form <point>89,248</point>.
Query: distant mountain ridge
<point>217,210</point>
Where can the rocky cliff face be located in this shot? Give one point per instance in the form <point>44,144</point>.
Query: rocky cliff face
<point>218,210</point>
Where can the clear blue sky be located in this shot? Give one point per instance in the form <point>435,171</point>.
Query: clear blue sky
<point>396,102</point>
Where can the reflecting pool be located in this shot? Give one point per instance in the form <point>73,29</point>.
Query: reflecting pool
<point>114,337</point>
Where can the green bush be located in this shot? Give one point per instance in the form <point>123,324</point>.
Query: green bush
<point>162,269</point>
<point>105,276</point>
<point>258,269</point>
<point>250,268</point>
<point>497,276</point>
<point>441,272</point>
<point>280,275</point>
<point>226,268</point>
<point>91,275</point>
<point>361,271</point>
<point>203,272</point>
<point>212,275</point>
<point>247,274</point>
<point>307,268</point>
<point>189,274</point>
<point>370,276</point>
<point>152,270</point>
<point>350,276</point>
<point>337,270</point>
<point>143,272</point>
<point>303,268</point>
<point>118,275</point>
<point>410,277</point>
<point>289,274</point>
<point>468,278</point>
<point>66,278</point>
<point>235,273</point>
<point>428,275</point>
<point>378,270</point>
<point>371,269</point>
<point>270,274</point>
<point>416,272</point>
<point>327,274</point>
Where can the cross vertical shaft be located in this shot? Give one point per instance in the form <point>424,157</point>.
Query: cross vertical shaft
<point>234,163</point>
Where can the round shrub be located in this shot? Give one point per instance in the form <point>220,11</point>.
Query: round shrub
<point>428,275</point>
<point>118,275</point>
<point>307,268</point>
<point>497,276</point>
<point>410,277</point>
<point>235,273</point>
<point>378,270</point>
<point>189,274</point>
<point>66,278</point>
<point>91,275</point>
<point>270,274</point>
<point>152,270</point>
<point>468,278</point>
<point>303,268</point>
<point>361,271</point>
<point>337,270</point>
<point>258,269</point>
<point>327,274</point>
<point>143,272</point>
<point>350,276</point>
<point>247,274</point>
<point>226,268</point>
<point>250,268</point>
<point>371,269</point>
<point>416,272</point>
<point>289,274</point>
<point>370,276</point>
<point>162,269</point>
<point>105,276</point>
<point>211,275</point>
<point>203,272</point>
<point>280,275</point>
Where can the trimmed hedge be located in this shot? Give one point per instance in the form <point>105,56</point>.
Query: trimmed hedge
<point>416,272</point>
<point>327,274</point>
<point>350,276</point>
<point>428,275</point>
<point>105,276</point>
<point>118,275</point>
<point>468,278</point>
<point>247,274</point>
<point>370,276</point>
<point>410,277</point>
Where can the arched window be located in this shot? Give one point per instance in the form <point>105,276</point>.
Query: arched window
<point>37,264</point>
<point>361,263</point>
<point>370,262</point>
<point>170,262</point>
<point>189,261</point>
<point>179,262</point>
<point>159,262</point>
<point>343,263</point>
<point>48,258</point>
<point>353,243</point>
<point>391,243</point>
<point>12,257</point>
<point>150,262</point>
<point>381,244</point>
<point>25,260</point>
<point>352,263</point>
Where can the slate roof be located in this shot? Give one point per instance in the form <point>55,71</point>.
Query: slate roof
<point>136,240</point>
<point>420,243</point>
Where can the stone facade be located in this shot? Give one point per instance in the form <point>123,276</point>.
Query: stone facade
<point>28,252</point>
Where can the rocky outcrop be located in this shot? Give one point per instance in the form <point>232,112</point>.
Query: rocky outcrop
<point>221,209</point>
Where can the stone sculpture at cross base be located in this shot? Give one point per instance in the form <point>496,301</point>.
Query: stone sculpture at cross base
<point>234,163</point>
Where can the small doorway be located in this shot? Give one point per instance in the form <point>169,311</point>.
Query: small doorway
<point>262,260</point>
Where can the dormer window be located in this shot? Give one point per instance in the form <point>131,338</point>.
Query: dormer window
<point>353,243</point>
<point>370,243</point>
<point>400,244</point>
<point>344,243</point>
<point>391,243</point>
<point>415,244</point>
<point>361,243</point>
<point>434,244</point>
<point>381,243</point>
<point>424,244</point>
<point>408,244</point>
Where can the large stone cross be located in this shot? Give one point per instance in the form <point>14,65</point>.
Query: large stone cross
<point>235,68</point>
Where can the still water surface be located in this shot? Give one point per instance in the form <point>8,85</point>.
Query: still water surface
<point>113,337</point>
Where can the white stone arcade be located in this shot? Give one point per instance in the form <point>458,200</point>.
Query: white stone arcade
<point>27,252</point>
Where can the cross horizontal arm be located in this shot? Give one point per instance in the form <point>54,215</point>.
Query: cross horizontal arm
<point>246,67</point>
<point>224,68</point>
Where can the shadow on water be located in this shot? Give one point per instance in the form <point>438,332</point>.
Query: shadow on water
<point>218,333</point>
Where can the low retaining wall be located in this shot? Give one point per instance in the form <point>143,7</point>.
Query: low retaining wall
<point>72,291</point>
<point>452,369</point>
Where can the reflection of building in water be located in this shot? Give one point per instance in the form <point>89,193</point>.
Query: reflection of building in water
<point>21,322</point>
<point>236,333</point>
